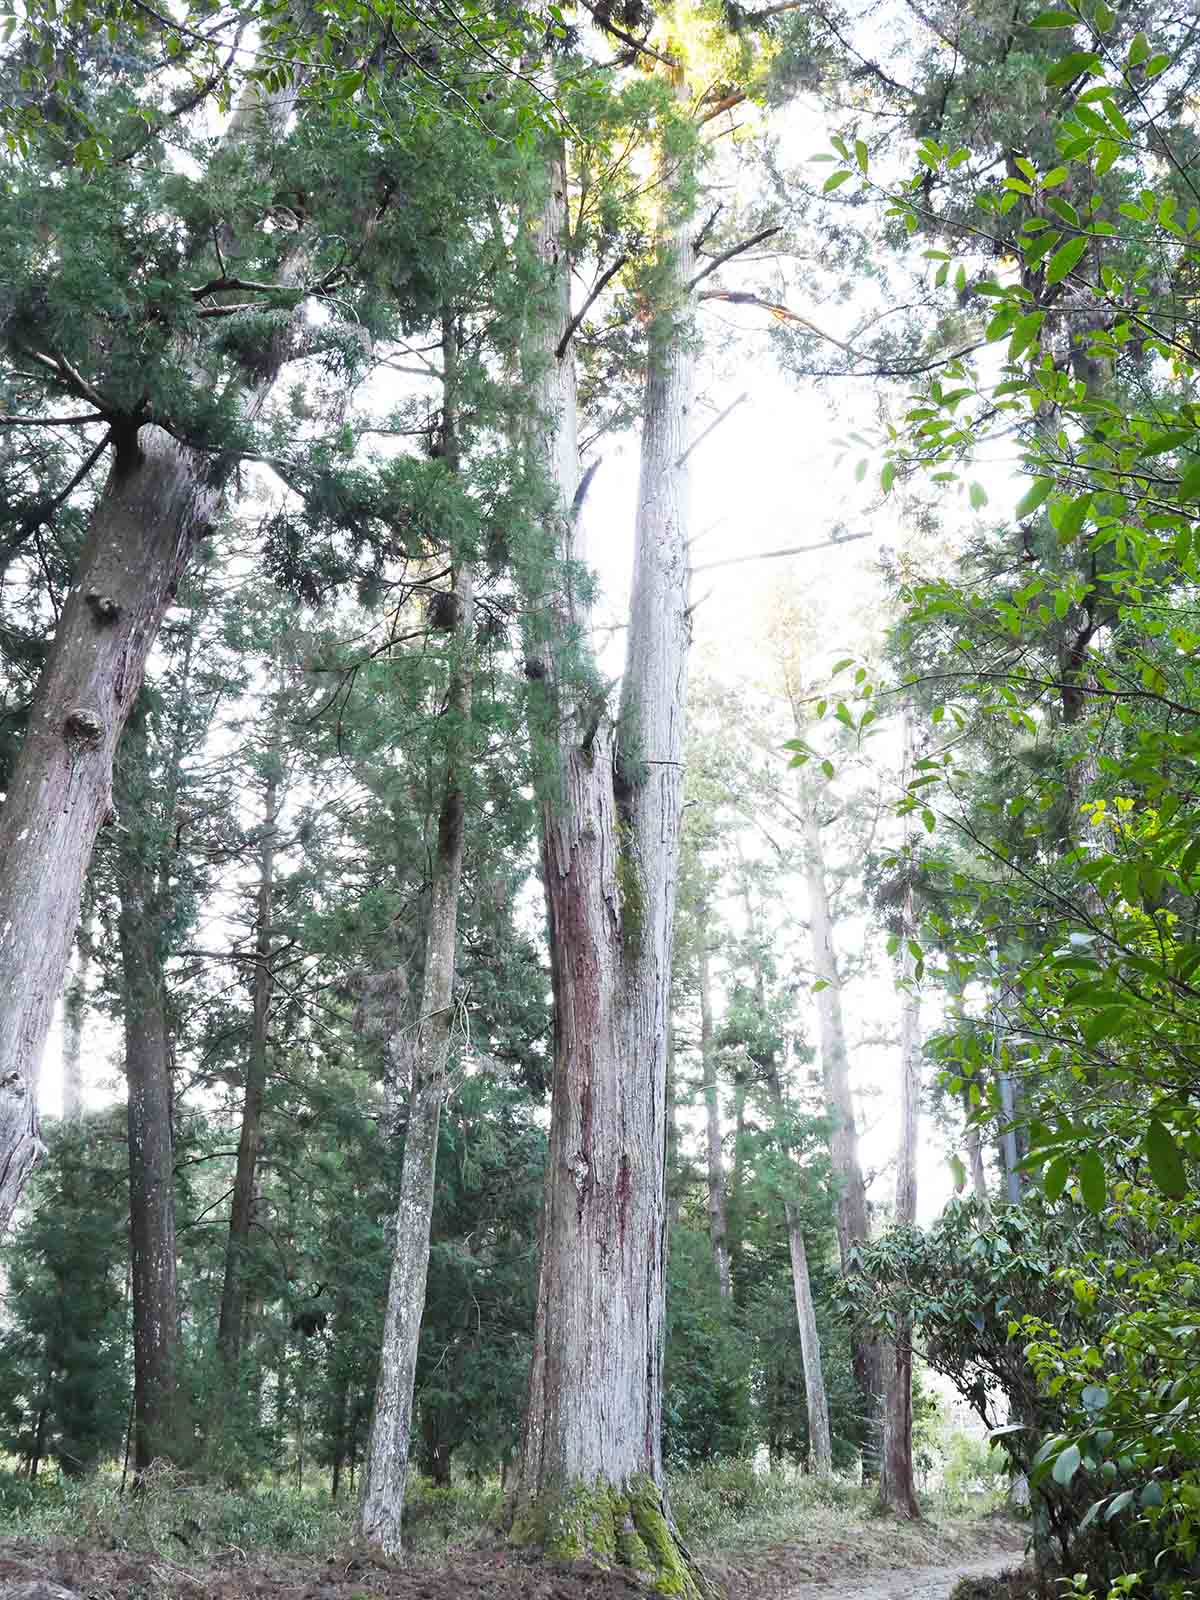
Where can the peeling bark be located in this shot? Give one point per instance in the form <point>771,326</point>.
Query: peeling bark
<point>591,1478</point>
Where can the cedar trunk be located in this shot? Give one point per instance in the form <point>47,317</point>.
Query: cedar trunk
<point>75,1005</point>
<point>157,500</point>
<point>717,1224</point>
<point>160,497</point>
<point>851,1201</point>
<point>816,1400</point>
<point>241,1215</point>
<point>897,1488</point>
<point>428,1046</point>
<point>591,1480</point>
<point>156,1433</point>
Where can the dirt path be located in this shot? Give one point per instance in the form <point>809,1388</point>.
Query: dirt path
<point>906,1583</point>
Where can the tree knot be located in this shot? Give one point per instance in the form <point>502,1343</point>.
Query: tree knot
<point>104,607</point>
<point>83,726</point>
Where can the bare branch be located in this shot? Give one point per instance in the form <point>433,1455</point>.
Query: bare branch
<point>715,423</point>
<point>597,290</point>
<point>780,312</point>
<point>774,555</point>
<point>50,422</point>
<point>734,250</point>
<point>643,49</point>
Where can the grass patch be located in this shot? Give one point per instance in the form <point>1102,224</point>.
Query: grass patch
<point>727,1506</point>
<point>722,1508</point>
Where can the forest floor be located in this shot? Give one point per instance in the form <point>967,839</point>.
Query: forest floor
<point>872,1559</point>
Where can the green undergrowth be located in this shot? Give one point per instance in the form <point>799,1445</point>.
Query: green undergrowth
<point>722,1507</point>
<point>729,1505</point>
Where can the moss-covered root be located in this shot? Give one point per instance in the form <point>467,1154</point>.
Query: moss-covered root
<point>625,1527</point>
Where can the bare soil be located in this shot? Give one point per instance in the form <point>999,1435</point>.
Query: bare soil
<point>492,1573</point>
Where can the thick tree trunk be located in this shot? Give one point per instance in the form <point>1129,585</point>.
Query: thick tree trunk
<point>717,1224</point>
<point>591,1480</point>
<point>157,500</point>
<point>160,497</point>
<point>241,1215</point>
<point>853,1228</point>
<point>156,1431</point>
<point>386,1471</point>
<point>897,1487</point>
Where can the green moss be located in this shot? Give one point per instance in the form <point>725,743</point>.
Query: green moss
<point>633,893</point>
<point>610,1526</point>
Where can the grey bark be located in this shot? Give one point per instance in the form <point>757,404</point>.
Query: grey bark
<point>75,1007</point>
<point>816,1399</point>
<point>852,1223</point>
<point>160,498</point>
<point>898,1490</point>
<point>386,1470</point>
<point>241,1214</point>
<point>140,928</point>
<point>610,838</point>
<point>718,1227</point>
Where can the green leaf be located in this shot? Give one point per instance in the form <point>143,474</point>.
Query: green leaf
<point>1166,1163</point>
<point>1094,1397</point>
<point>1056,1177</point>
<point>1139,51</point>
<point>960,1174</point>
<point>1065,259</point>
<point>978,496</point>
<point>1078,63</point>
<point>1118,1503</point>
<point>1067,1465</point>
<point>1054,19</point>
<point>1189,484</point>
<point>835,181</point>
<point>860,155</point>
<point>1040,491</point>
<point>1092,1185</point>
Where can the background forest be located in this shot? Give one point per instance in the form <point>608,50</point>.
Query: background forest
<point>464,1030</point>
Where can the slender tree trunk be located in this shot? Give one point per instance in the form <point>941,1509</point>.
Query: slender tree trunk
<point>386,1470</point>
<point>75,1006</point>
<point>717,1224</point>
<point>735,1211</point>
<point>853,1228</point>
<point>674,1177</point>
<point>897,1487</point>
<point>816,1400</point>
<point>160,498</point>
<point>148,1074</point>
<point>591,1479</point>
<point>241,1215</point>
<point>817,1403</point>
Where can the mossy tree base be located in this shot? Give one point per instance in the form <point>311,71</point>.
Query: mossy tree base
<point>612,1527</point>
